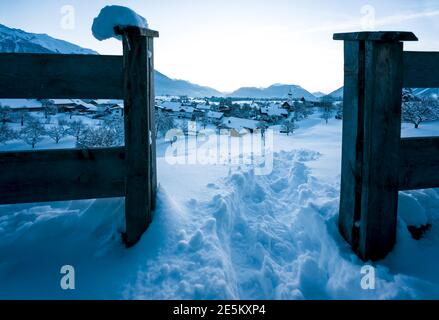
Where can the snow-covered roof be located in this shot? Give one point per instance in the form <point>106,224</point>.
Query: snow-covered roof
<point>89,106</point>
<point>273,109</point>
<point>21,103</point>
<point>61,101</point>
<point>214,115</point>
<point>239,123</point>
<point>171,106</point>
<point>203,106</point>
<point>74,102</point>
<point>176,107</point>
<point>108,101</point>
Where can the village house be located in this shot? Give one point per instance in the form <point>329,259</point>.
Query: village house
<point>30,105</point>
<point>274,110</point>
<point>177,109</point>
<point>239,126</point>
<point>214,117</point>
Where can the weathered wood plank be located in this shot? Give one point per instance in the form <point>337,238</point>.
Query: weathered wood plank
<point>152,125</point>
<point>50,76</point>
<point>419,163</point>
<point>350,195</point>
<point>382,134</point>
<point>137,87</point>
<point>421,69</point>
<point>376,36</point>
<point>56,175</point>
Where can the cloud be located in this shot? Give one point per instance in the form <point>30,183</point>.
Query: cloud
<point>368,21</point>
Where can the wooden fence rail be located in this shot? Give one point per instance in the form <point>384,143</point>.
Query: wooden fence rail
<point>376,162</point>
<point>72,174</point>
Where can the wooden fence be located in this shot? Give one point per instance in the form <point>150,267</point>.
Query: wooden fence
<point>71,174</point>
<point>376,162</point>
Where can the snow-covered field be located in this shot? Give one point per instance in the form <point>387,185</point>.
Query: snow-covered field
<point>222,232</point>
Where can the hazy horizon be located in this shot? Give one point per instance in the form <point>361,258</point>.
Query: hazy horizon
<point>227,45</point>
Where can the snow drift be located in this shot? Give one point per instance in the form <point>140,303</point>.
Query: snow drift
<point>259,237</point>
<point>113,16</point>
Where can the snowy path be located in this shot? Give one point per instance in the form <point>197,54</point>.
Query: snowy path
<point>221,233</point>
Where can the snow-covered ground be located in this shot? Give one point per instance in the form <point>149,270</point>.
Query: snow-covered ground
<point>222,232</point>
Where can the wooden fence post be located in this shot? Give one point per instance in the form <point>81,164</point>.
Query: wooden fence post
<point>371,140</point>
<point>140,188</point>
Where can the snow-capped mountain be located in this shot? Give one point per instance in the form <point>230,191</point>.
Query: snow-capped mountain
<point>274,91</point>
<point>19,41</point>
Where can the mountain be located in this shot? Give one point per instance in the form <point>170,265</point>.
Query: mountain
<point>318,94</point>
<point>337,94</point>
<point>167,86</point>
<point>274,91</point>
<point>19,41</point>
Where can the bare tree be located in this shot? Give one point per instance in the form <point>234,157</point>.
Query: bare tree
<point>32,132</point>
<point>21,116</point>
<point>262,126</point>
<point>75,128</point>
<point>416,112</point>
<point>108,134</point>
<point>288,126</point>
<point>116,129</point>
<point>204,120</point>
<point>301,111</point>
<point>6,133</point>
<point>49,110</point>
<point>5,113</point>
<point>326,113</point>
<point>163,122</point>
<point>57,132</point>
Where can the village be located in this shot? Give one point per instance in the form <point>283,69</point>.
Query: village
<point>99,123</point>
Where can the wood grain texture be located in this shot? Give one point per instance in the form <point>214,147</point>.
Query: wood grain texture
<point>421,69</point>
<point>56,175</point>
<point>60,76</point>
<point>382,134</point>
<point>352,140</point>
<point>419,163</point>
<point>152,126</point>
<point>137,100</point>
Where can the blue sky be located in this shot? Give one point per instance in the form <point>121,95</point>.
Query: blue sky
<point>228,44</point>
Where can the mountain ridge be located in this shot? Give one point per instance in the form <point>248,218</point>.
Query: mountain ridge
<point>273,91</point>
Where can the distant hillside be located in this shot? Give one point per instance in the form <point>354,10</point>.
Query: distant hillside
<point>418,92</point>
<point>19,41</point>
<point>318,94</point>
<point>168,86</point>
<point>337,94</point>
<point>274,91</point>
